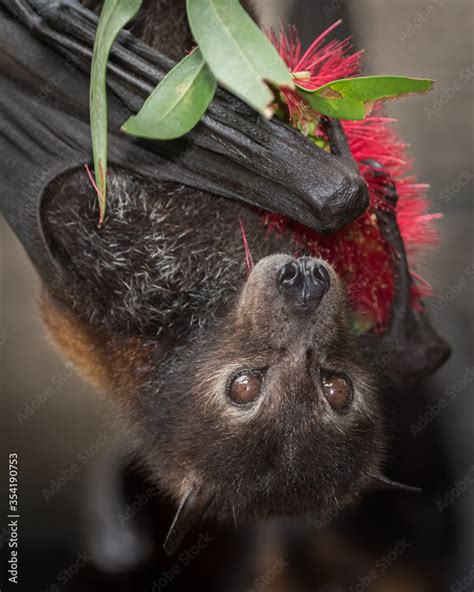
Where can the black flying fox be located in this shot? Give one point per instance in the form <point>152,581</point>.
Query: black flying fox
<point>245,397</point>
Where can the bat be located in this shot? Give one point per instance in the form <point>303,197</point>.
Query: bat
<point>244,397</point>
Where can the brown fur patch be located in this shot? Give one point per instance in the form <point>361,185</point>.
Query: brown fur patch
<point>110,362</point>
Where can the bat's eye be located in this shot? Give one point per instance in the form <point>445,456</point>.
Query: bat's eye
<point>337,390</point>
<point>245,387</point>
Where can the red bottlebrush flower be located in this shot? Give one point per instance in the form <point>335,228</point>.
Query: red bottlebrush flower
<point>319,64</point>
<point>358,251</point>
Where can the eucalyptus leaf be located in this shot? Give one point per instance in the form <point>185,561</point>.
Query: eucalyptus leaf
<point>115,14</point>
<point>354,98</point>
<point>239,55</point>
<point>177,103</point>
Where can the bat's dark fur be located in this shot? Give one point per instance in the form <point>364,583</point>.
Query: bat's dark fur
<point>168,269</point>
<point>155,306</point>
<point>168,259</point>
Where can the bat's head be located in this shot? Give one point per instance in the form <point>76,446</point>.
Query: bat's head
<point>274,414</point>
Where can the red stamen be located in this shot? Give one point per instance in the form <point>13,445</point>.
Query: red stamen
<point>316,42</point>
<point>97,190</point>
<point>248,254</point>
<point>93,183</point>
<point>422,281</point>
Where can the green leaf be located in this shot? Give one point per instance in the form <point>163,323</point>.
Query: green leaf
<point>239,55</point>
<point>114,16</point>
<point>354,98</point>
<point>177,103</point>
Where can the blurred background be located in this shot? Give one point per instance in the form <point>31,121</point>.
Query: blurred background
<point>55,422</point>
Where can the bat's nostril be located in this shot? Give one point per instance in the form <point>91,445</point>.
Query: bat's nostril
<point>288,274</point>
<point>302,282</point>
<point>320,274</point>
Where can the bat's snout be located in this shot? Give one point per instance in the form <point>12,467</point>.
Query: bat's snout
<point>303,282</point>
<point>286,301</point>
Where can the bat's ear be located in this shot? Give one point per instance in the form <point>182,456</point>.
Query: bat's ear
<point>379,481</point>
<point>188,515</point>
